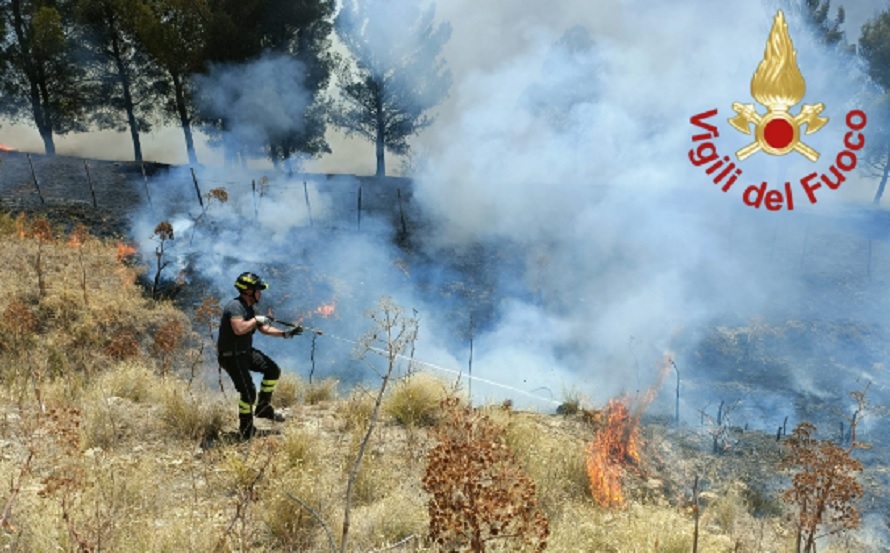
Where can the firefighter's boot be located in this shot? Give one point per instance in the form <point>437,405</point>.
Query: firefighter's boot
<point>246,429</point>
<point>264,408</point>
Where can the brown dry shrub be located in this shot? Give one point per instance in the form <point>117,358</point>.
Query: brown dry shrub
<point>20,323</point>
<point>479,493</point>
<point>121,345</point>
<point>167,341</point>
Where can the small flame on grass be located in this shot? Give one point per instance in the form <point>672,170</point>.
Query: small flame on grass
<point>615,446</point>
<point>325,310</point>
<point>124,251</point>
<point>617,443</point>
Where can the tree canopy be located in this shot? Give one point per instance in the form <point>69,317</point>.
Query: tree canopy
<point>398,75</point>
<point>44,78</point>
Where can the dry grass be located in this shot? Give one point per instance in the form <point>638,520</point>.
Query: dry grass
<point>288,390</point>
<point>355,410</point>
<point>138,461</point>
<point>320,391</point>
<point>415,400</point>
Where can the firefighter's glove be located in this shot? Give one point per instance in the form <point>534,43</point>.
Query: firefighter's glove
<point>262,320</point>
<point>297,330</point>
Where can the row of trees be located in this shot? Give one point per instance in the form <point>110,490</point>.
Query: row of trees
<point>72,65</point>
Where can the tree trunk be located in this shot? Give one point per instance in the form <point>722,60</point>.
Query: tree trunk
<point>184,120</point>
<point>381,133</point>
<point>46,130</point>
<point>124,77</point>
<point>883,183</point>
<point>41,118</point>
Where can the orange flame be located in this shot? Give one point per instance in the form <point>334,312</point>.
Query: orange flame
<point>6,148</point>
<point>124,251</point>
<point>325,309</point>
<point>616,444</point>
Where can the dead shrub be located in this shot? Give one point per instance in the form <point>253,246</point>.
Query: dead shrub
<point>479,494</point>
<point>121,345</point>
<point>167,341</point>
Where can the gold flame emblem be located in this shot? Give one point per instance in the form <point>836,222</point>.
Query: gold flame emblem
<point>778,85</point>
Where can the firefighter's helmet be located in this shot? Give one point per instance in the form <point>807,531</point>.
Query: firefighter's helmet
<point>250,281</point>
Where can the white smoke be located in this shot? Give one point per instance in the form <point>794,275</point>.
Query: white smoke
<point>584,214</point>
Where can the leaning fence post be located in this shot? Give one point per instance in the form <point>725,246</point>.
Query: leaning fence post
<point>308,205</point>
<point>145,182</point>
<point>197,188</point>
<point>34,176</point>
<point>401,212</point>
<point>86,167</point>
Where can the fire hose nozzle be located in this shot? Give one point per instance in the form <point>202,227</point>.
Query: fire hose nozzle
<point>296,325</point>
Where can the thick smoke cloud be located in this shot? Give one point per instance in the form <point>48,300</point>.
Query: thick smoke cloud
<point>624,237</point>
<point>259,100</point>
<point>556,178</point>
<point>562,217</point>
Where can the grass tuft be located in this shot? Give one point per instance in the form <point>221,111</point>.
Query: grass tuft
<point>415,400</point>
<point>321,391</point>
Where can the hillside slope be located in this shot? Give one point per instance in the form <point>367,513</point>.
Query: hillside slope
<point>118,435</point>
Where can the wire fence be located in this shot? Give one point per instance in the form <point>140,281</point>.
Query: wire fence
<point>30,182</point>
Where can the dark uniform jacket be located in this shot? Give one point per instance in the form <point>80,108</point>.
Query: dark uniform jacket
<point>230,343</point>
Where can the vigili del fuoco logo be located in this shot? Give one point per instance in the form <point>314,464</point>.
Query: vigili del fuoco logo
<point>778,86</point>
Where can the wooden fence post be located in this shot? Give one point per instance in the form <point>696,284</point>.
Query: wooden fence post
<point>145,183</point>
<point>197,188</point>
<point>36,184</point>
<point>308,207</point>
<point>402,212</point>
<point>86,167</point>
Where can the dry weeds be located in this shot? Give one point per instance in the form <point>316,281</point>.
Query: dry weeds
<point>105,446</point>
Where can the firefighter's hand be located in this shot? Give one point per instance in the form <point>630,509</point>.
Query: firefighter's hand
<point>262,320</point>
<point>297,330</point>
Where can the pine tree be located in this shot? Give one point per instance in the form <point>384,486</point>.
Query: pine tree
<point>397,76</point>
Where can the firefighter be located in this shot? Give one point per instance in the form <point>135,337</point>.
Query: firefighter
<point>238,357</point>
